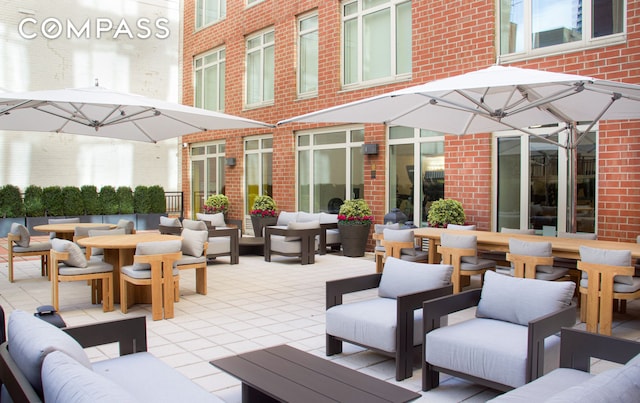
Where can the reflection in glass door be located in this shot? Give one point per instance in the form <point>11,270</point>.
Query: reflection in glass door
<point>207,173</point>
<point>508,183</point>
<point>416,171</point>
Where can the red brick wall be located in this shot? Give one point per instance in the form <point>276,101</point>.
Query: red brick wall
<point>449,38</point>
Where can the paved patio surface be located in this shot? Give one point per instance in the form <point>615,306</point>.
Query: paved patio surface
<point>251,305</point>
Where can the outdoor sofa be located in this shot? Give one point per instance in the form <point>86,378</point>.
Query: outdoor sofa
<point>572,382</point>
<point>40,362</point>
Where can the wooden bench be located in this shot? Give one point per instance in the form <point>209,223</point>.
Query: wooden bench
<point>283,373</point>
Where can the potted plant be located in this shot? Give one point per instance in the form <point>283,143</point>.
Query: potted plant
<point>217,203</point>
<point>444,212</point>
<point>354,222</point>
<point>11,208</point>
<point>263,213</point>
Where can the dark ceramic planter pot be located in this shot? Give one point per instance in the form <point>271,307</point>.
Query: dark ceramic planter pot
<point>259,223</point>
<point>354,239</point>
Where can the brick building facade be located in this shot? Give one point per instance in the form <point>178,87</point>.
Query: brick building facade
<point>447,38</point>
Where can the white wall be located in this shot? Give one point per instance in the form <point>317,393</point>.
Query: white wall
<point>148,67</point>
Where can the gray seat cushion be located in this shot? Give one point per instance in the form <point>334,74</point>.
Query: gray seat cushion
<point>490,349</point>
<point>154,381</point>
<point>371,323</point>
<point>93,266</point>
<point>189,260</point>
<point>31,339</point>
<point>65,380</point>
<point>142,274</point>
<point>34,247</point>
<point>219,245</point>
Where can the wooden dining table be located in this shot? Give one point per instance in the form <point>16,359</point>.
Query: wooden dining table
<point>119,251</point>
<point>497,241</point>
<point>66,230</point>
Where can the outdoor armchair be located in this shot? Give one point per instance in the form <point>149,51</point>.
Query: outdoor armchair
<point>510,341</point>
<point>300,239</point>
<point>223,241</point>
<point>391,322</point>
<point>69,263</point>
<point>19,244</point>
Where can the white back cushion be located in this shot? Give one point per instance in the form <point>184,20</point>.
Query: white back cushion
<point>401,277</point>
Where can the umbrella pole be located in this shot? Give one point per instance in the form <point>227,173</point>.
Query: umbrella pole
<point>572,160</point>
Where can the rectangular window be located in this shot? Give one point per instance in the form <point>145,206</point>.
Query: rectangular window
<point>258,155</point>
<point>260,69</point>
<point>330,169</point>
<point>308,55</point>
<point>209,80</point>
<point>207,173</point>
<point>210,11</point>
<point>552,24</point>
<point>376,40</point>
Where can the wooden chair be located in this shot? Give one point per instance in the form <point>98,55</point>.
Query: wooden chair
<point>98,274</point>
<point>598,292</point>
<point>534,260</point>
<point>194,256</point>
<point>379,252</point>
<point>460,251</point>
<point>40,249</point>
<point>153,267</point>
<point>401,244</point>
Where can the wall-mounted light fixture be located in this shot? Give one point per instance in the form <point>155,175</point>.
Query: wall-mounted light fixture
<point>230,162</point>
<point>185,145</point>
<point>370,149</point>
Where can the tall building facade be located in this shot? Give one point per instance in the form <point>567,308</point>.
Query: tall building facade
<point>270,60</point>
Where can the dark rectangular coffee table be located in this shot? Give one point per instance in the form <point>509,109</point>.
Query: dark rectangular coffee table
<point>251,245</point>
<point>283,373</point>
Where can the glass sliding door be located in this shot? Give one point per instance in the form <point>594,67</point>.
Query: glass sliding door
<point>416,171</point>
<point>258,157</point>
<point>509,180</point>
<point>207,173</point>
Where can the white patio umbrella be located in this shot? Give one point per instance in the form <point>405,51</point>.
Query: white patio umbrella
<point>97,111</point>
<point>494,99</point>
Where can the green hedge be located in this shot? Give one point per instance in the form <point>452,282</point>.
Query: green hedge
<point>33,203</point>
<point>90,200</point>
<point>72,198</point>
<point>125,200</point>
<point>11,202</point>
<point>108,200</point>
<point>157,199</point>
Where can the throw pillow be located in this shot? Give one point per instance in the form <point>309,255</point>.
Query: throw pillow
<point>520,300</point>
<point>196,225</point>
<point>31,339</point>
<point>401,277</point>
<point>127,225</point>
<point>66,380</point>
<point>170,222</point>
<point>401,235</point>
<point>25,237</point>
<point>193,242</point>
<point>76,257</point>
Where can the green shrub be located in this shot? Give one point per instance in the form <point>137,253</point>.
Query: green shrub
<point>125,200</point>
<point>355,212</point>
<point>11,202</point>
<point>90,200</point>
<point>445,211</point>
<point>108,200</point>
<point>53,201</point>
<point>33,204</point>
<point>141,200</point>
<point>157,199</point>
<point>72,198</point>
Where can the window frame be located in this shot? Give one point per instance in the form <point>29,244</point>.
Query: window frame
<point>221,78</point>
<point>261,48</point>
<point>587,41</point>
<point>222,5</point>
<point>394,76</point>
<point>300,35</point>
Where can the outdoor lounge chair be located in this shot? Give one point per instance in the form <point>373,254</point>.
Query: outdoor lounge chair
<point>19,244</point>
<point>300,239</point>
<point>390,323</point>
<point>510,342</point>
